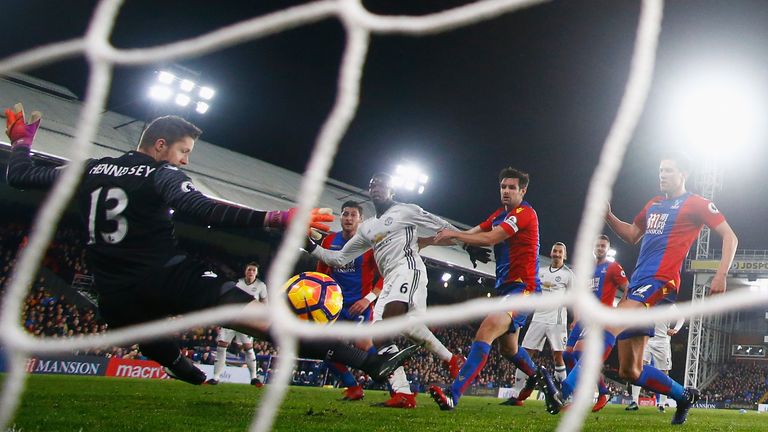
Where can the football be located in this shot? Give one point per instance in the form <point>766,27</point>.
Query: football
<point>314,297</point>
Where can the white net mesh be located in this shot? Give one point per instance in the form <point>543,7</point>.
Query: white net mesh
<point>358,24</point>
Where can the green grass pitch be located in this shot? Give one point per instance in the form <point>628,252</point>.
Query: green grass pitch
<point>66,403</point>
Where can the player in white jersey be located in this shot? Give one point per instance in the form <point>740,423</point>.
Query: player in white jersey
<point>548,325</point>
<point>658,352</point>
<point>393,236</point>
<point>258,290</point>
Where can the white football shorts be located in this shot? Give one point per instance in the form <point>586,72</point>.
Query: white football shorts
<point>556,334</point>
<point>407,286</point>
<point>226,335</point>
<point>659,355</point>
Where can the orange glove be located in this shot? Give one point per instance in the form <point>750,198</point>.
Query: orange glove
<point>18,130</point>
<point>280,219</point>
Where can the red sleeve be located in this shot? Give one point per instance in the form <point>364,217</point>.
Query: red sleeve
<point>641,217</point>
<point>487,225</point>
<point>617,274</point>
<point>321,266</point>
<point>518,219</point>
<point>709,214</point>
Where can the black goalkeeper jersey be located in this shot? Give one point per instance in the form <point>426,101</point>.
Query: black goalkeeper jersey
<point>127,218</point>
<point>125,204</point>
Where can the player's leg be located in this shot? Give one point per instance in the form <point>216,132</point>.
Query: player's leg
<point>343,375</point>
<point>533,342</point>
<point>609,340</point>
<point>526,369</point>
<point>661,399</point>
<point>632,369</point>
<point>420,333</point>
<point>212,292</point>
<point>222,343</point>
<point>250,357</point>
<point>127,306</point>
<point>660,356</point>
<point>557,336</point>
<point>167,353</point>
<point>400,388</point>
<point>569,357</point>
<point>491,328</point>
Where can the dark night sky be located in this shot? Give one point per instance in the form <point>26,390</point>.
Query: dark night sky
<point>536,89</point>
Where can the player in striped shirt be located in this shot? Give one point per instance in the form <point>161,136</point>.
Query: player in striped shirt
<point>513,231</point>
<point>360,284</point>
<point>667,225</point>
<point>608,279</point>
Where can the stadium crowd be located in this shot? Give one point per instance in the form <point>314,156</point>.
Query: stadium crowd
<point>738,382</point>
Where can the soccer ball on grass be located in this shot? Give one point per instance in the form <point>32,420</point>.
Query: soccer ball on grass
<point>314,296</point>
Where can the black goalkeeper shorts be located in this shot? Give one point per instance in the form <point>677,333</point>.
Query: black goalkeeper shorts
<point>172,290</point>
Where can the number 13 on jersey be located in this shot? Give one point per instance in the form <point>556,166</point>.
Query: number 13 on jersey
<point>108,207</point>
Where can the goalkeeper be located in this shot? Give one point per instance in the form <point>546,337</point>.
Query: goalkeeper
<point>139,272</point>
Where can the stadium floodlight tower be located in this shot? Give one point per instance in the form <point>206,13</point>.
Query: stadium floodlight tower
<point>409,177</point>
<point>182,91</point>
<point>714,112</point>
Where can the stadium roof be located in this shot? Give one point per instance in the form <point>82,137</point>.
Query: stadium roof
<point>216,171</point>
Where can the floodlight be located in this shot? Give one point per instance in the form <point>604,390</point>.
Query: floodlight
<point>409,177</point>
<point>186,85</point>
<point>446,277</point>
<point>160,92</point>
<point>182,99</point>
<point>206,93</point>
<point>461,278</point>
<point>717,111</point>
<point>201,107</point>
<point>488,295</point>
<point>165,77</point>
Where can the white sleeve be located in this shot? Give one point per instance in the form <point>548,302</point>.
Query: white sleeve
<point>680,322</point>
<point>262,292</point>
<point>424,219</point>
<point>355,247</point>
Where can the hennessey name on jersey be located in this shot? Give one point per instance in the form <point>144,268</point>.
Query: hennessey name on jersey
<point>119,171</point>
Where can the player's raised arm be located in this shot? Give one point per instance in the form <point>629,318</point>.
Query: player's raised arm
<point>22,173</point>
<point>179,192</point>
<point>630,233</point>
<point>730,242</point>
<point>355,247</point>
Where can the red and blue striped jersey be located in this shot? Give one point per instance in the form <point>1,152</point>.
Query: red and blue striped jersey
<point>608,277</point>
<point>357,278</point>
<point>671,226</point>
<point>517,258</point>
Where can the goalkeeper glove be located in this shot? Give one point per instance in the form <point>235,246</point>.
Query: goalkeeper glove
<point>477,253</point>
<point>18,130</point>
<point>280,219</point>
